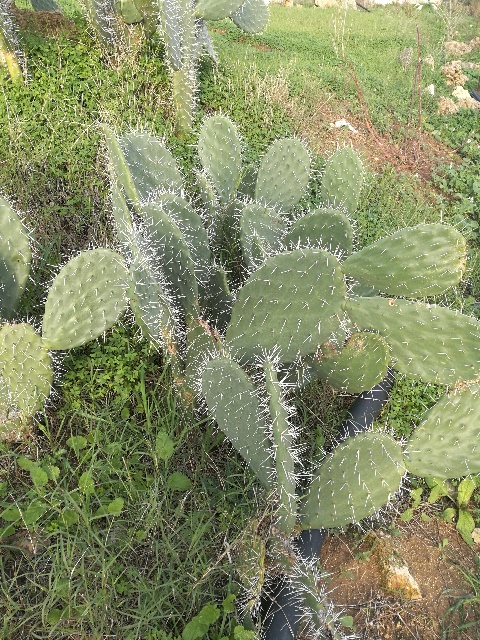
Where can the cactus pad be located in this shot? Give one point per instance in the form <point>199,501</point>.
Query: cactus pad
<point>232,401</point>
<point>323,228</point>
<point>220,152</point>
<point>218,301</point>
<point>419,261</point>
<point>151,306</point>
<point>252,16</point>
<point>26,372</point>
<point>342,180</point>
<point>173,255</point>
<point>283,443</point>
<point>121,215</point>
<point>86,298</point>
<point>191,227</point>
<point>127,10</point>
<point>261,230</point>
<point>45,5</point>
<point>447,442</point>
<point>360,365</point>
<point>216,9</point>
<point>292,302</point>
<point>15,257</point>
<point>152,166</point>
<point>427,342</point>
<point>354,482</point>
<point>283,174</point>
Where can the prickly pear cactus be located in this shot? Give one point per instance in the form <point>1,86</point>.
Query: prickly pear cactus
<point>264,296</point>
<point>86,298</point>
<point>354,482</point>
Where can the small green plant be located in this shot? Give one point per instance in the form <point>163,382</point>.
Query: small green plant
<point>459,494</point>
<point>304,305</point>
<point>86,297</point>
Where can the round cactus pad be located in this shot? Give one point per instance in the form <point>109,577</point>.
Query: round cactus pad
<point>252,16</point>
<point>447,442</point>
<point>428,342</point>
<point>420,261</point>
<point>323,228</point>
<point>15,256</point>
<point>86,298</point>
<point>26,372</point>
<point>354,482</point>
<point>291,303</point>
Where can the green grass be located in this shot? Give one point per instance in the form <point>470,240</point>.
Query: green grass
<point>134,508</point>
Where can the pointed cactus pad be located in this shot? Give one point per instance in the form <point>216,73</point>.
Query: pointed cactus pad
<point>420,261</point>
<point>428,342</point>
<point>173,253</point>
<point>220,152</point>
<point>291,303</point>
<point>26,372</point>
<point>86,298</point>
<point>231,400</point>
<point>354,482</point>
<point>15,257</point>
<point>283,174</point>
<point>447,442</point>
<point>342,180</point>
<point>283,439</point>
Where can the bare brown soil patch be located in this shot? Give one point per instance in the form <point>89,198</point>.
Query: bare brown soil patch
<point>356,583</point>
<point>418,155</point>
<point>45,23</point>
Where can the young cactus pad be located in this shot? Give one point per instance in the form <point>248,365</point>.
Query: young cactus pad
<point>354,482</point>
<point>220,152</point>
<point>86,298</point>
<point>282,437</point>
<point>420,261</point>
<point>15,257</point>
<point>447,442</point>
<point>292,303</point>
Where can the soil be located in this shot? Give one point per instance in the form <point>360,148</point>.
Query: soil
<point>419,155</point>
<point>434,553</point>
<point>45,23</point>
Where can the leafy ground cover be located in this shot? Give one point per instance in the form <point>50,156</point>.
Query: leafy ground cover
<point>120,515</point>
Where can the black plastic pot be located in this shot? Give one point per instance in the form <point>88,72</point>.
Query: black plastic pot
<point>280,610</point>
